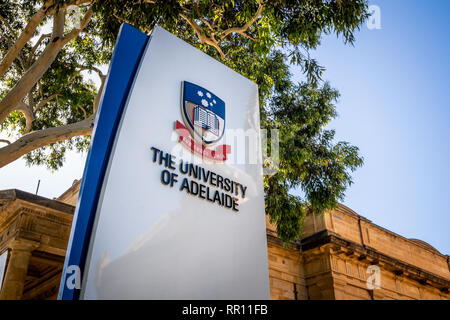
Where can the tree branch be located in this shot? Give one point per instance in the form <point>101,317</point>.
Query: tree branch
<point>211,40</point>
<point>45,101</point>
<point>47,9</point>
<point>59,20</point>
<point>97,70</point>
<point>8,26</point>
<point>32,54</point>
<point>41,38</point>
<point>145,29</point>
<point>83,110</point>
<point>41,138</point>
<point>102,77</point>
<point>24,37</point>
<point>40,66</point>
<point>144,1</point>
<point>99,94</point>
<point>201,18</point>
<point>242,30</point>
<point>75,32</point>
<point>5,141</point>
<point>28,114</point>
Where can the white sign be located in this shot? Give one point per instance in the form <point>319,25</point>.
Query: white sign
<point>171,224</point>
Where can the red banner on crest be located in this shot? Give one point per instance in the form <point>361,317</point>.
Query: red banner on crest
<point>219,154</point>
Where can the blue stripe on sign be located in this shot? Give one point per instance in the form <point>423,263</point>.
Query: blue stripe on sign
<point>125,61</point>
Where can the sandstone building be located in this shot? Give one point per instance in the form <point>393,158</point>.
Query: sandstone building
<point>331,261</point>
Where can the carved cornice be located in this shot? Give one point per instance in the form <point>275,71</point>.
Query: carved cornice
<point>50,215</point>
<point>272,238</point>
<point>14,194</point>
<point>23,245</point>
<point>395,265</point>
<point>21,219</point>
<point>18,208</point>
<point>349,248</point>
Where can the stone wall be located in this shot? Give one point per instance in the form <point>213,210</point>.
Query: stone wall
<point>33,235</point>
<point>332,259</point>
<point>70,196</point>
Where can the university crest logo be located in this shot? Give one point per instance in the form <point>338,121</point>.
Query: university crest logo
<point>204,117</point>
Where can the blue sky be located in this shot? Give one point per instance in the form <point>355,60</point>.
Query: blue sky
<point>394,106</point>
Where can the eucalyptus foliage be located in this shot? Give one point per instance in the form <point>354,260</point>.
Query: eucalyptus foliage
<point>259,39</point>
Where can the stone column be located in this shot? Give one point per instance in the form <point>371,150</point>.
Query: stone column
<point>16,269</point>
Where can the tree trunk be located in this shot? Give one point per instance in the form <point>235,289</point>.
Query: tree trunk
<point>41,138</point>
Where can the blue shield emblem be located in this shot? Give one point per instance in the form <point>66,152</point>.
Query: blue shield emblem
<point>203,113</point>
